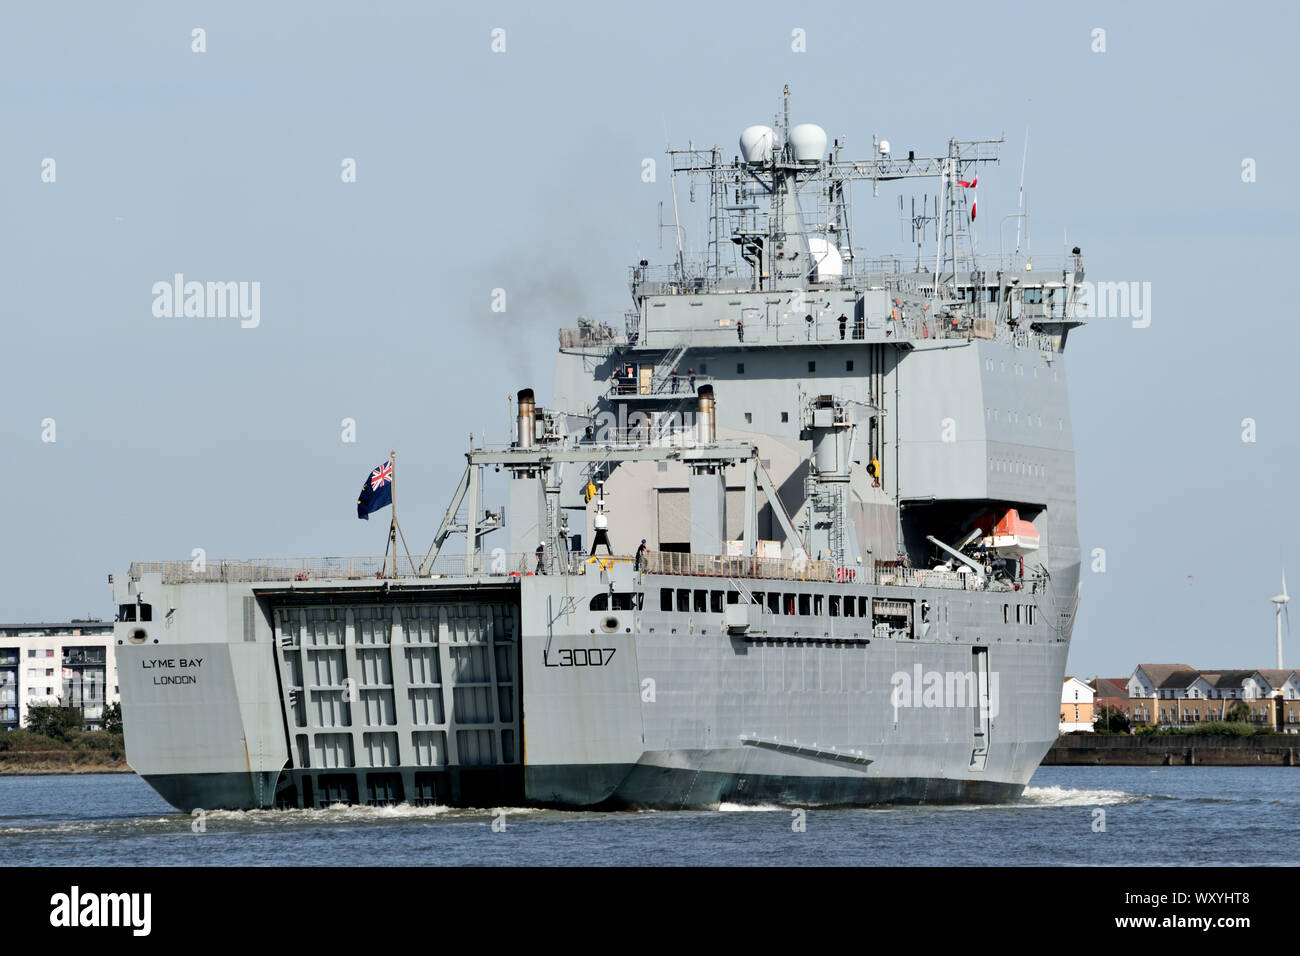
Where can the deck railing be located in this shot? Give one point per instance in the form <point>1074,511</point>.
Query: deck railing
<point>499,564</point>
<point>793,569</point>
<point>368,567</point>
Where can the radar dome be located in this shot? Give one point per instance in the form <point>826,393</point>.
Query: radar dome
<point>808,142</point>
<point>829,262</point>
<point>756,144</point>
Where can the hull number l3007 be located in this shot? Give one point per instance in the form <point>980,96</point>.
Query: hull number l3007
<point>580,657</point>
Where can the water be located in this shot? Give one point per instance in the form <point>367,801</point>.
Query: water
<point>1210,816</point>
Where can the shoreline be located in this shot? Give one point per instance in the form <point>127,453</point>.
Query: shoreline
<point>1174,750</point>
<point>37,771</point>
<point>25,753</point>
<point>1073,750</point>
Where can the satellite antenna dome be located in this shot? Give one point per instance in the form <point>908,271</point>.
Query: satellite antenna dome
<point>808,142</point>
<point>756,144</point>
<point>829,262</point>
<point>884,147</point>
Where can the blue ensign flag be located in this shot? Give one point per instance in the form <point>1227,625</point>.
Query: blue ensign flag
<point>377,492</point>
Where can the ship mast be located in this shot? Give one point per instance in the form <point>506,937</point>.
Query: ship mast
<point>777,250</point>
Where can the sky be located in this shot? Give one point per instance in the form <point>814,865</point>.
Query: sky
<point>521,169</point>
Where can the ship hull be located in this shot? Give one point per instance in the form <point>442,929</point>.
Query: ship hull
<point>460,694</point>
<point>586,787</point>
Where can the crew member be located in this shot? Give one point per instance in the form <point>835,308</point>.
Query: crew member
<point>640,552</point>
<point>740,329</point>
<point>691,373</point>
<point>844,325</point>
<point>673,376</point>
<point>541,557</point>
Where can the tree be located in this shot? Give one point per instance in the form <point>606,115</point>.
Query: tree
<point>1111,720</point>
<point>55,720</point>
<point>1238,713</point>
<point>113,718</point>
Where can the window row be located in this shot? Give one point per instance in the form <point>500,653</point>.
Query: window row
<point>704,601</point>
<point>1024,614</point>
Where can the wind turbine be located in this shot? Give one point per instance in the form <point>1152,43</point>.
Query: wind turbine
<point>1281,601</point>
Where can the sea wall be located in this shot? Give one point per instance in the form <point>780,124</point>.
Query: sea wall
<point>1118,750</point>
<point>94,751</point>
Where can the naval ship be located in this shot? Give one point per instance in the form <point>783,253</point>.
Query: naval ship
<point>833,498</point>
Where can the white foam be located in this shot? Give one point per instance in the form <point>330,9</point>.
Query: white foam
<point>356,813</point>
<point>749,807</point>
<point>1067,797</point>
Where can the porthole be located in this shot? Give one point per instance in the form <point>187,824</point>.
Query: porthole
<point>137,636</point>
<point>609,624</point>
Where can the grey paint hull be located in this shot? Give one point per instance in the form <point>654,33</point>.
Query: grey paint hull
<point>483,696</point>
<point>624,786</point>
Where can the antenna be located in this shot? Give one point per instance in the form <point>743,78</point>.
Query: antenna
<point>1023,159</point>
<point>677,227</point>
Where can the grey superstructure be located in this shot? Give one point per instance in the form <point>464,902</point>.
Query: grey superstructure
<point>855,479</point>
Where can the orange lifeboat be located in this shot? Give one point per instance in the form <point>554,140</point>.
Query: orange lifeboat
<point>1008,533</point>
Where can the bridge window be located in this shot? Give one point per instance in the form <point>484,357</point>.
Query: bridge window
<point>715,602</point>
<point>833,607</point>
<point>804,604</point>
<point>774,603</point>
<point>812,366</point>
<point>817,604</point>
<point>733,597</point>
<point>862,606</point>
<point>683,599</point>
<point>665,599</point>
<point>787,604</point>
<point>848,366</point>
<point>600,602</point>
<point>701,600</point>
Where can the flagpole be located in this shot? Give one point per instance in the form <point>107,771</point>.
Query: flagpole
<point>392,527</point>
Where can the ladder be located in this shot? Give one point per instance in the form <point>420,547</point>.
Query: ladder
<point>836,501</point>
<point>662,376</point>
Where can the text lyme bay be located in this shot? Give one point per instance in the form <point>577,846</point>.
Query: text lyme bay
<point>173,663</point>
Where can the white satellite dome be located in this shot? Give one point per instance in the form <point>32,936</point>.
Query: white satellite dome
<point>756,144</point>
<point>830,264</point>
<point>808,142</point>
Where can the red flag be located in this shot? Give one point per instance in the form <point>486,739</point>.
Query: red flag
<point>974,199</point>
